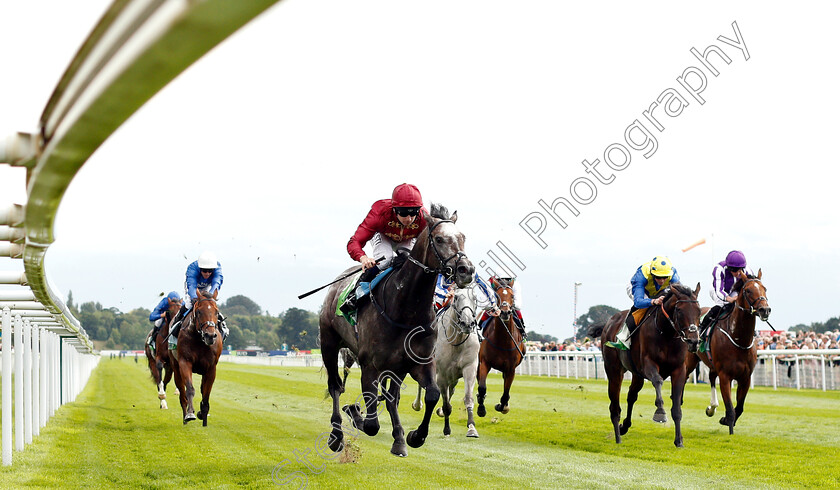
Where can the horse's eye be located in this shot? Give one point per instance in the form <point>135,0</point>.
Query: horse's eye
<point>438,239</point>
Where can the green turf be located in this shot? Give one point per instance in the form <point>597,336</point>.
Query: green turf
<point>264,421</point>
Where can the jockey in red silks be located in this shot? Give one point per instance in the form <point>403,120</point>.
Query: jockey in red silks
<point>390,224</point>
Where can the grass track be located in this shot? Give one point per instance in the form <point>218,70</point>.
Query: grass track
<point>557,435</point>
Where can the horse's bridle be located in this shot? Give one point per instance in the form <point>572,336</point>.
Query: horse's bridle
<point>752,311</point>
<point>200,328</point>
<point>680,333</point>
<point>751,304</point>
<point>446,271</point>
<point>470,327</point>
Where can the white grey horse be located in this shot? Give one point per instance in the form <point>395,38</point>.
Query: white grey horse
<point>456,356</point>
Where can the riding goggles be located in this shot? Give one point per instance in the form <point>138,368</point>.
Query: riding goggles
<point>406,211</point>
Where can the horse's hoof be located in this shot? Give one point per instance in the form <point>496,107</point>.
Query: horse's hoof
<point>471,432</point>
<point>660,417</point>
<point>336,442</point>
<point>439,412</point>
<point>710,411</point>
<point>189,417</point>
<point>447,431</point>
<point>678,443</point>
<point>201,415</point>
<point>399,449</point>
<point>163,405</point>
<point>417,406</point>
<point>414,439</point>
<point>501,409</point>
<point>481,412</point>
<point>622,429</point>
<point>177,392</point>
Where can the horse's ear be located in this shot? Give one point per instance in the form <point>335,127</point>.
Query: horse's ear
<point>759,274</point>
<point>215,294</point>
<point>697,290</point>
<point>427,217</point>
<point>454,217</point>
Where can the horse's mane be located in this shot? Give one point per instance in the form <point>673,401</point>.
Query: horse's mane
<point>739,284</point>
<point>685,290</point>
<point>439,211</point>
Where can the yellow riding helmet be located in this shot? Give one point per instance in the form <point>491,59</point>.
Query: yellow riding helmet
<point>661,266</point>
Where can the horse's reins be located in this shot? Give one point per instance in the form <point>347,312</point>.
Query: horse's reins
<point>199,328</point>
<point>752,311</point>
<point>457,315</point>
<point>444,270</point>
<point>512,318</point>
<point>681,333</point>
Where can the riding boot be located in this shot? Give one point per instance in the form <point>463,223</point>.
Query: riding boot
<point>351,301</point>
<point>176,327</point>
<point>154,336</point>
<point>223,326</point>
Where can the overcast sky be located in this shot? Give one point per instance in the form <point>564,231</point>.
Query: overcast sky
<point>270,150</point>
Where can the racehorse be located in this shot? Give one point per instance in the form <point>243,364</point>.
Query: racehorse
<point>456,356</point>
<point>665,334</point>
<point>503,349</point>
<point>733,350</point>
<point>348,359</point>
<point>159,358</point>
<point>198,350</point>
<point>395,335</point>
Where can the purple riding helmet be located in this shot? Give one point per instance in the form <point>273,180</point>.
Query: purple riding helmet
<point>736,260</point>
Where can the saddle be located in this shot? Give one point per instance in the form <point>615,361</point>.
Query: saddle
<point>362,289</point>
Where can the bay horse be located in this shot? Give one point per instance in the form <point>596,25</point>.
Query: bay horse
<point>395,335</point>
<point>198,350</point>
<point>503,349</point>
<point>733,350</point>
<point>658,350</point>
<point>456,356</point>
<point>158,358</point>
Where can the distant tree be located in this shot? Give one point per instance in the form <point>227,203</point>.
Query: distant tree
<point>249,307</point>
<point>540,337</point>
<point>299,328</point>
<point>596,314</point>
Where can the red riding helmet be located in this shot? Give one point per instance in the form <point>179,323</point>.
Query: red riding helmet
<point>406,196</point>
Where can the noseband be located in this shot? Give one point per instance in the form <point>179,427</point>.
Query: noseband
<point>446,271</point>
<point>751,304</point>
<point>209,323</point>
<point>681,334</point>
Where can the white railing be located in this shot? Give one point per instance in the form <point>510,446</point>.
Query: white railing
<point>818,369</point>
<point>135,49</point>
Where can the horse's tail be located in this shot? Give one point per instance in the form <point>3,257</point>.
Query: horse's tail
<point>596,330</point>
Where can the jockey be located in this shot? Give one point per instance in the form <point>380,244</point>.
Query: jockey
<point>156,317</point>
<point>647,282</point>
<point>484,298</point>
<point>496,283</point>
<point>205,274</point>
<point>390,224</point>
<point>724,276</point>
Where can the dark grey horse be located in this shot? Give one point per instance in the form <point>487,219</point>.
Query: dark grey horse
<point>395,335</point>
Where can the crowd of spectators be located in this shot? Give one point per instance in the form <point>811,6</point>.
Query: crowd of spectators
<point>569,345</point>
<point>798,340</point>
